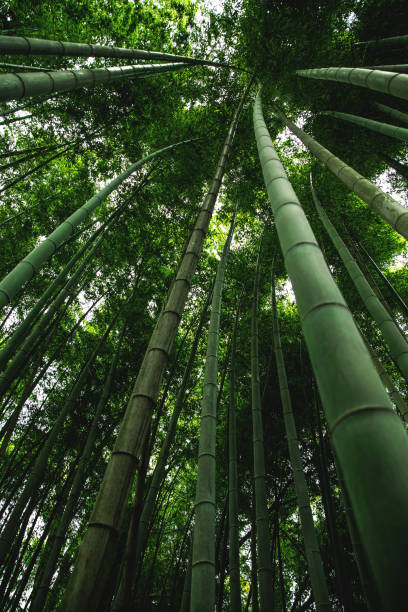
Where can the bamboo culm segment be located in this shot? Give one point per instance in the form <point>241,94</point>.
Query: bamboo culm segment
<point>391,67</point>
<point>21,332</point>
<point>400,404</point>
<point>389,329</point>
<point>160,469</point>
<point>392,83</point>
<point>263,536</point>
<point>392,112</point>
<point>79,478</point>
<point>367,436</point>
<point>26,269</point>
<point>233,527</point>
<point>314,560</point>
<point>37,473</point>
<point>390,41</point>
<point>96,556</point>
<point>203,564</point>
<point>24,354</point>
<point>20,45</point>
<point>393,131</point>
<point>26,84</point>
<point>390,286</point>
<point>389,209</point>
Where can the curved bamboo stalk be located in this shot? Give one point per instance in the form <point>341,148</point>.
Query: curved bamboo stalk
<point>389,329</point>
<point>20,45</point>
<point>314,560</point>
<point>24,354</point>
<point>389,209</point>
<point>203,565</point>
<point>25,84</point>
<point>393,131</point>
<point>233,528</point>
<point>391,67</point>
<point>384,279</point>
<point>392,112</point>
<point>263,536</point>
<point>22,67</point>
<point>369,439</point>
<point>385,42</point>
<point>393,83</point>
<point>26,269</point>
<point>95,555</point>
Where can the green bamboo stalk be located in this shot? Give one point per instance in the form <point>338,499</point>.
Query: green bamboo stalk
<point>233,532</point>
<point>389,209</point>
<point>385,42</point>
<point>26,84</point>
<point>203,565</point>
<point>392,112</point>
<point>21,332</point>
<point>400,405</point>
<point>160,469</point>
<point>80,475</point>
<point>393,131</point>
<point>19,45</point>
<point>384,279</point>
<point>24,354</point>
<point>391,67</point>
<point>389,329</point>
<point>27,495</point>
<point>393,83</point>
<point>42,164</point>
<point>314,560</point>
<point>22,67</point>
<point>263,536</point>
<point>368,437</point>
<point>185,599</point>
<point>95,555</point>
<point>26,269</point>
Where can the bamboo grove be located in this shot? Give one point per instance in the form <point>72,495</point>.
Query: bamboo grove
<point>203,350</point>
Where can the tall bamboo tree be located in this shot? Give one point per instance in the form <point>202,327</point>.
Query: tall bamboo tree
<point>95,556</point>
<point>263,537</point>
<point>379,80</point>
<point>314,560</point>
<point>26,84</point>
<point>368,438</point>
<point>389,329</point>
<point>26,269</point>
<point>20,45</point>
<point>203,564</point>
<point>393,131</point>
<point>233,534</point>
<point>389,209</point>
<point>392,112</point>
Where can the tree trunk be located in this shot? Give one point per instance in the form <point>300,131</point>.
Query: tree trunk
<point>203,566</point>
<point>263,536</point>
<point>387,82</point>
<point>95,555</point>
<point>389,329</point>
<point>314,561</point>
<point>368,437</point>
<point>389,209</point>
